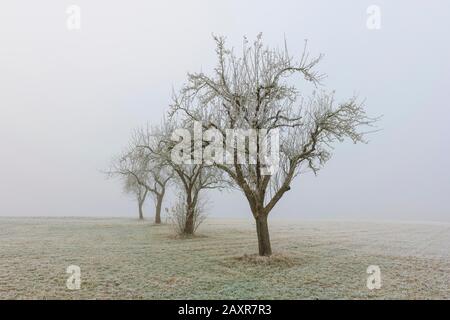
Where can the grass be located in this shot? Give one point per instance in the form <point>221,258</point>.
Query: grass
<point>128,259</point>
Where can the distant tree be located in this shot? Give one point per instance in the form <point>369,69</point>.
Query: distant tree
<point>143,175</point>
<point>190,178</point>
<point>132,186</point>
<point>256,90</point>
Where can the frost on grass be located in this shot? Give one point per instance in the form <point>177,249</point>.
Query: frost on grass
<point>275,260</point>
<point>127,259</point>
<point>182,236</point>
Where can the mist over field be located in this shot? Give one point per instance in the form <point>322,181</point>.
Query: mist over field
<point>70,100</point>
<point>124,259</point>
<point>114,126</point>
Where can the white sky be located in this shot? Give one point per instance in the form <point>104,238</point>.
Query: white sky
<point>69,99</point>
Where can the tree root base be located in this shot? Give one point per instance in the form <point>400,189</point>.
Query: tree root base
<point>276,259</point>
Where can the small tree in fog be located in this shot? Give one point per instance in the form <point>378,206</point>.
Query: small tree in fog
<point>140,192</point>
<point>178,217</point>
<point>143,175</point>
<point>190,178</point>
<point>257,90</point>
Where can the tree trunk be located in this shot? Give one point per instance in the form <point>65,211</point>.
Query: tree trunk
<point>141,211</point>
<point>262,230</point>
<point>189,225</point>
<point>159,200</point>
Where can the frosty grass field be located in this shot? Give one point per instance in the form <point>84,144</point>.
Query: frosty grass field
<point>124,258</point>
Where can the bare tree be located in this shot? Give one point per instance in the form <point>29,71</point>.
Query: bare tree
<point>177,214</point>
<point>257,90</point>
<point>132,186</point>
<point>190,177</point>
<point>144,172</point>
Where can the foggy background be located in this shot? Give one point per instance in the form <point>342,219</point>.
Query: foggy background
<point>70,99</point>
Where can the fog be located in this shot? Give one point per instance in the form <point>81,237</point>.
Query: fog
<point>69,100</point>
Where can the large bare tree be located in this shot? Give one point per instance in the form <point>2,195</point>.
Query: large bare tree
<point>258,90</point>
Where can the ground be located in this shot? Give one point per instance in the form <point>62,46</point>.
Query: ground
<point>128,259</point>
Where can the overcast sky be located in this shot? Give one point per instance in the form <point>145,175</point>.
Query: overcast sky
<point>70,99</point>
